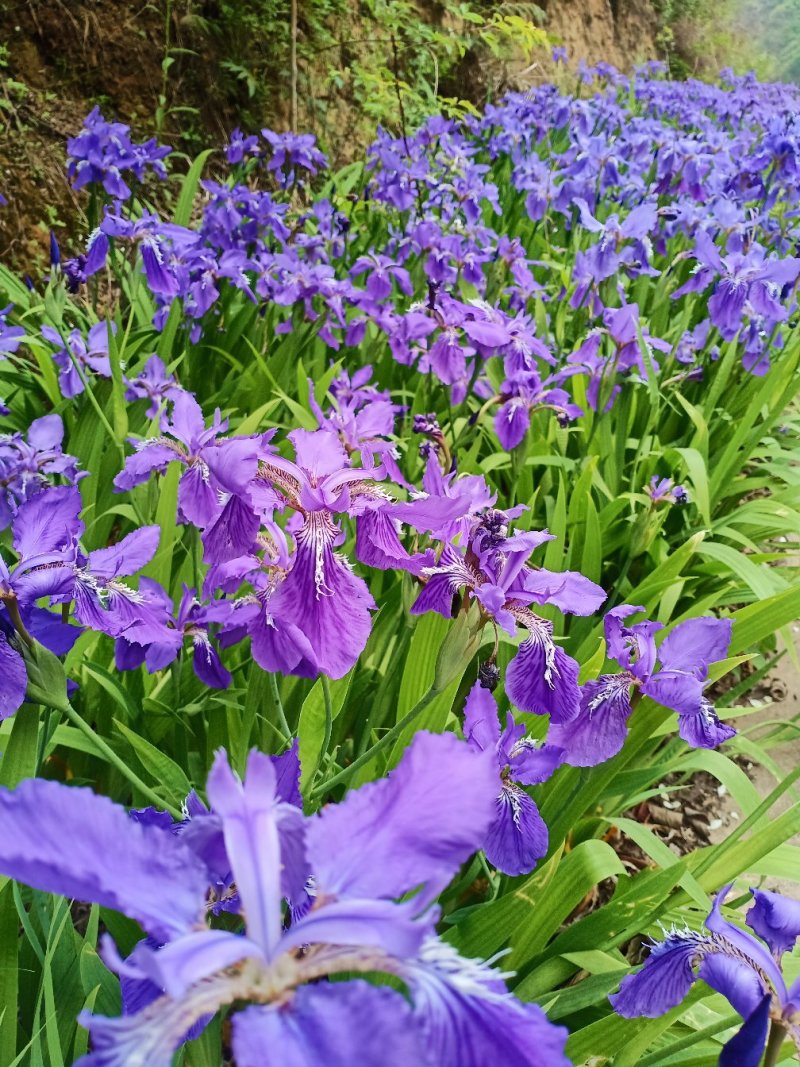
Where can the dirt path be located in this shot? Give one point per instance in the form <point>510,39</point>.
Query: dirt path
<point>783,687</point>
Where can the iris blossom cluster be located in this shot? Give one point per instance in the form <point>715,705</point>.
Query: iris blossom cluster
<point>323,905</point>
<point>711,151</point>
<point>744,967</point>
<point>103,152</point>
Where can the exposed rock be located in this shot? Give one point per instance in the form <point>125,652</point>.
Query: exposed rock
<point>622,32</point>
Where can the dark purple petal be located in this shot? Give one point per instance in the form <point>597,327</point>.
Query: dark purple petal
<point>745,944</point>
<point>517,838</point>
<point>543,679</point>
<point>207,665</point>
<point>44,577</point>
<point>232,534</point>
<point>281,647</point>
<point>665,979</point>
<point>46,433</point>
<point>234,462</point>
<point>511,422</point>
<point>137,993</point>
<point>287,775</point>
<point>436,596</point>
<point>430,513</point>
<point>735,979</point>
<point>50,630</point>
<point>328,601</point>
<point>416,826</point>
<point>159,279</point>
<point>187,422</point>
<point>72,842</point>
<point>343,1024</point>
<point>96,253</point>
<point>489,334</point>
<point>369,924</point>
<point>776,920</point>
<point>531,763</point>
<point>746,1047</point>
<point>725,307</point>
<point>599,730</point>
<point>703,728</point>
<point>378,545</point>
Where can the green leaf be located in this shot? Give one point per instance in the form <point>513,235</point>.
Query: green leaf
<point>167,775</point>
<point>19,755</point>
<point>311,727</point>
<point>115,690</point>
<point>183,209</point>
<point>525,919</point>
<point>754,622</point>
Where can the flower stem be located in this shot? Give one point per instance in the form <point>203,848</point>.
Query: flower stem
<point>388,738</point>
<point>326,741</point>
<point>276,698</point>
<point>117,762</point>
<point>777,1035</point>
<point>12,607</point>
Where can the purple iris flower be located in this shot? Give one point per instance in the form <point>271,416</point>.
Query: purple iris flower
<point>292,153</point>
<point>449,504</point>
<point>103,151</point>
<point>26,463</point>
<point>378,861</point>
<point>44,533</point>
<point>661,489</point>
<point>747,281</point>
<point>215,466</point>
<point>521,396</point>
<point>743,968</point>
<point>45,530</point>
<point>12,665</point>
<point>320,592</point>
<point>517,837</point>
<point>158,245</point>
<point>155,385</point>
<point>241,146</point>
<point>381,272</point>
<point>693,344</point>
<point>622,244</point>
<point>78,357</point>
<point>364,419</point>
<point>157,642</point>
<point>102,601</point>
<point>494,572</point>
<point>598,732</point>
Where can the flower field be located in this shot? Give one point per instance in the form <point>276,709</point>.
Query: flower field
<point>375,547</point>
